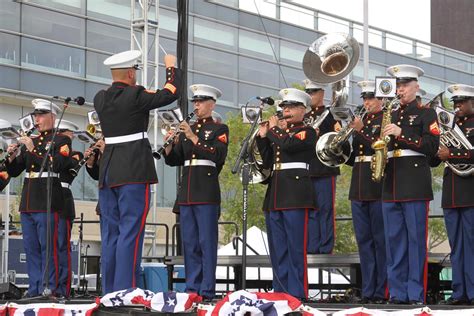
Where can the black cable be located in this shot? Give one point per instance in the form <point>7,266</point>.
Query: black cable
<point>270,42</point>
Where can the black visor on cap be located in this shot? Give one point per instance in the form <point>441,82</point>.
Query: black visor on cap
<point>459,98</point>
<point>369,95</point>
<point>202,98</point>
<point>291,103</point>
<point>40,111</point>
<point>406,79</point>
<point>312,90</point>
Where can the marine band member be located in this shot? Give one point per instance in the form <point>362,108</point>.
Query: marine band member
<point>321,222</point>
<point>407,189</point>
<point>33,205</point>
<point>458,200</point>
<point>127,167</point>
<point>289,198</point>
<point>202,150</point>
<point>366,198</point>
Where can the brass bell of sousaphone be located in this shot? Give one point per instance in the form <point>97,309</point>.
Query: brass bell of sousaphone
<point>330,59</point>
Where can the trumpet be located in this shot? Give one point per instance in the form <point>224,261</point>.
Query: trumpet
<point>158,153</point>
<point>280,116</point>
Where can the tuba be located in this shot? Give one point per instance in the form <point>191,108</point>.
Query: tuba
<point>330,59</point>
<point>451,134</point>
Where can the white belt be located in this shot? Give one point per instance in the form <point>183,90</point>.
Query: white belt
<point>44,174</point>
<point>199,162</point>
<point>66,185</point>
<point>403,153</point>
<point>363,159</point>
<point>125,138</point>
<point>290,165</point>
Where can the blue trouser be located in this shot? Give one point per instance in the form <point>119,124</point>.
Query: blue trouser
<point>64,246</point>
<point>367,219</point>
<point>277,286</point>
<point>123,216</point>
<point>289,231</point>
<point>33,226</point>
<point>199,236</point>
<point>460,228</point>
<point>321,226</point>
<point>405,237</point>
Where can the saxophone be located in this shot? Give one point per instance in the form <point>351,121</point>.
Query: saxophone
<point>379,158</point>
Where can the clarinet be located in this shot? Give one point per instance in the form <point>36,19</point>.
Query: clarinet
<point>74,171</point>
<point>3,162</point>
<point>158,153</point>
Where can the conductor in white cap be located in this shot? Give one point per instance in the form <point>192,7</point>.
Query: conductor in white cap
<point>126,167</point>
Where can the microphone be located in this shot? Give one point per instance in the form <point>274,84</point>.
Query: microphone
<point>267,100</point>
<point>77,100</point>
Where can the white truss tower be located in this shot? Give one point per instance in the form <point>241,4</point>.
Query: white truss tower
<point>144,36</point>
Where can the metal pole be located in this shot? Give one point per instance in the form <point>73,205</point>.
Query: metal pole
<point>366,39</point>
<point>6,221</point>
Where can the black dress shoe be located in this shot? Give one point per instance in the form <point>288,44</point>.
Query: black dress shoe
<point>397,302</point>
<point>454,301</point>
<point>471,301</point>
<point>417,303</point>
<point>378,300</point>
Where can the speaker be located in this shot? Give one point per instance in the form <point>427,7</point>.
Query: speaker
<point>10,291</point>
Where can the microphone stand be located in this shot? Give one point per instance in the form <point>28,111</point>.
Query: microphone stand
<point>243,157</point>
<point>47,163</point>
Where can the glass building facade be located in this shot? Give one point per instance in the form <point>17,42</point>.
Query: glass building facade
<point>57,47</point>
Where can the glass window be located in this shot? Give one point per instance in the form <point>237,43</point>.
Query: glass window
<point>292,76</point>
<point>375,37</point>
<point>52,57</point>
<point>263,8</point>
<point>247,92</point>
<point>53,25</point>
<point>168,22</point>
<point>431,86</point>
<point>215,62</point>
<point>76,6</point>
<point>215,34</point>
<point>296,15</point>
<point>399,45</point>
<point>10,49</point>
<point>50,84</point>
<point>259,72</point>
<point>227,87</point>
<point>107,37</point>
<point>292,53</point>
<point>10,78</point>
<point>10,16</point>
<point>117,11</point>
<point>92,89</point>
<point>96,69</point>
<point>257,45</point>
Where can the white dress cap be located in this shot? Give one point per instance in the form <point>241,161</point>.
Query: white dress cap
<point>67,125</point>
<point>311,85</point>
<point>367,87</point>
<point>461,91</point>
<point>127,59</point>
<point>44,106</point>
<point>294,96</point>
<point>405,73</point>
<point>204,92</point>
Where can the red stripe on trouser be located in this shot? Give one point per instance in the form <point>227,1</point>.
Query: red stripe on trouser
<point>425,268</point>
<point>333,187</point>
<point>68,240</point>
<point>55,251</point>
<point>305,276</point>
<point>137,239</point>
